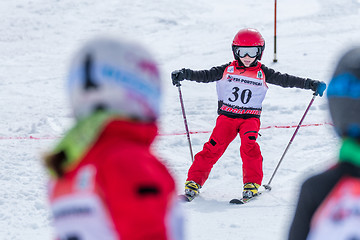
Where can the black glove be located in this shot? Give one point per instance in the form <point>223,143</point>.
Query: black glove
<point>317,86</point>
<point>180,75</point>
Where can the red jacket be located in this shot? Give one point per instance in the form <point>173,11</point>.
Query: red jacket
<point>119,190</point>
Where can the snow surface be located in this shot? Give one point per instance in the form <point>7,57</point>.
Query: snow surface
<point>39,36</point>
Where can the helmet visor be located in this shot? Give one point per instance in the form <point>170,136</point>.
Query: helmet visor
<point>250,51</point>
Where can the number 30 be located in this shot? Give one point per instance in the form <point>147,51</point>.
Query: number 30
<point>245,95</point>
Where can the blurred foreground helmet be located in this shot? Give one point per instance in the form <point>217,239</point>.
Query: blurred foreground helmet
<point>344,95</point>
<point>116,76</point>
<point>248,37</point>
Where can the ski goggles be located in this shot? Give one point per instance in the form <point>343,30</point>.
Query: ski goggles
<point>250,51</point>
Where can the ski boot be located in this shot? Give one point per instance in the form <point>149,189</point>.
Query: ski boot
<point>250,190</point>
<point>192,189</point>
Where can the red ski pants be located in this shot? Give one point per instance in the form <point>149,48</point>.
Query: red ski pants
<point>223,134</point>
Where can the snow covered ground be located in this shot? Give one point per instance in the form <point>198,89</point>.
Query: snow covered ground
<point>39,36</point>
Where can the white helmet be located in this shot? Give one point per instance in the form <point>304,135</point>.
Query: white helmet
<point>117,76</point>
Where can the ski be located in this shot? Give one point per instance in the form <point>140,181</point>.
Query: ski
<point>186,198</point>
<point>243,200</point>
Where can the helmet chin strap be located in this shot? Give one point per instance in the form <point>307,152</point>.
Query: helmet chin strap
<point>253,64</point>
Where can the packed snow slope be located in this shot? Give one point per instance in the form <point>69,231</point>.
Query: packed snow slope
<point>38,38</point>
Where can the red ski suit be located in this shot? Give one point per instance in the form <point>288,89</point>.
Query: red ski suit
<point>118,190</point>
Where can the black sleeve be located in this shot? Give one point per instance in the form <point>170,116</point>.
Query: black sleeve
<point>286,80</point>
<point>205,76</point>
<point>300,226</point>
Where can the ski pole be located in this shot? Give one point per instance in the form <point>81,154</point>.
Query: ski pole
<point>185,121</point>
<point>267,186</point>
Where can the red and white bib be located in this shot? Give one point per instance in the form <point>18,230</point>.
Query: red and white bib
<point>242,90</point>
<point>78,210</point>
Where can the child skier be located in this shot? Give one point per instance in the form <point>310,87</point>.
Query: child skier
<point>106,183</point>
<point>241,88</point>
<point>329,203</point>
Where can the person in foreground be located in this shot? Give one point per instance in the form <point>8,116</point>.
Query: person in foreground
<point>105,182</point>
<point>329,203</point>
<point>241,88</point>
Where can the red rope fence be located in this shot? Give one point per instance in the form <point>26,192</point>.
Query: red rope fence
<point>164,134</point>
